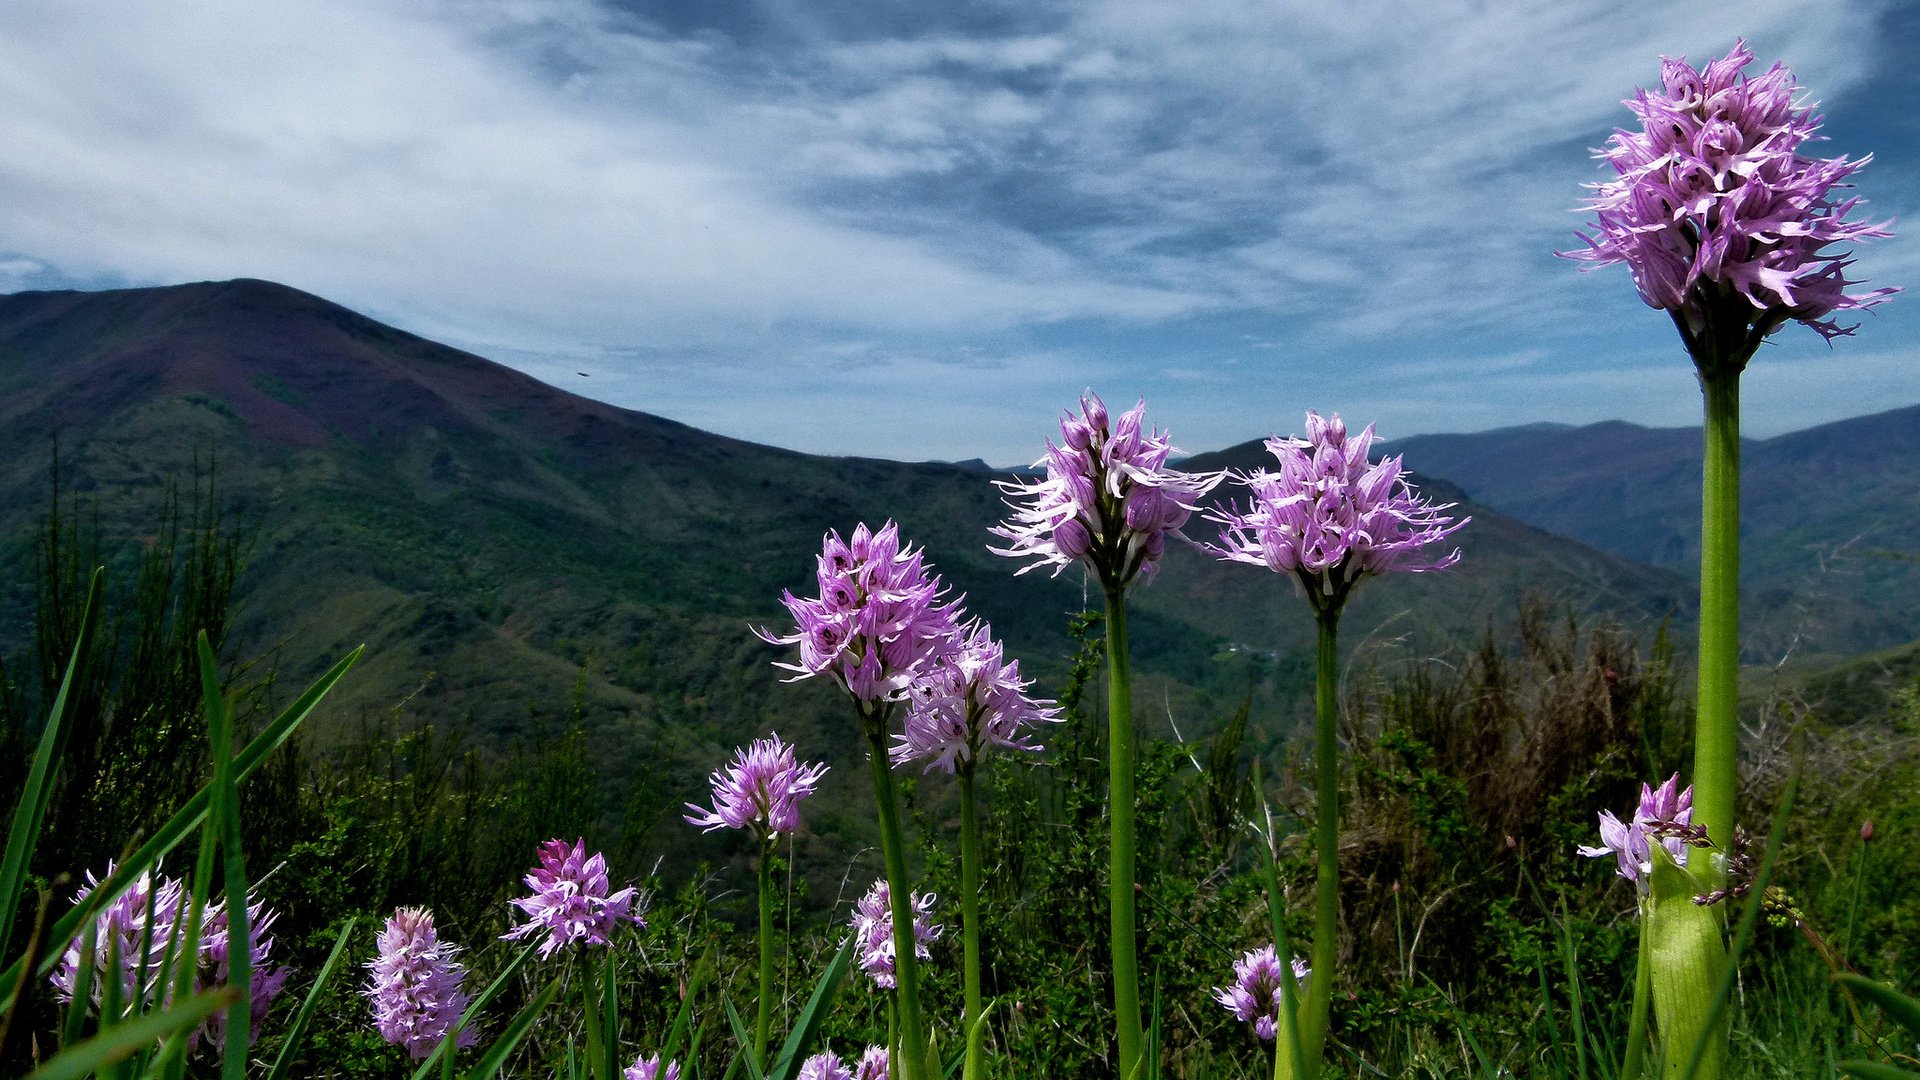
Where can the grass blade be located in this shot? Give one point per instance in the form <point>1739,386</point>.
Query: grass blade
<point>226,818</point>
<point>183,822</point>
<point>1874,1070</point>
<point>38,793</point>
<point>806,1026</point>
<point>492,991</point>
<point>122,1040</point>
<point>682,1019</point>
<point>298,1029</point>
<point>610,1023</point>
<point>503,1047</point>
<point>741,1036</point>
<point>1899,1008</point>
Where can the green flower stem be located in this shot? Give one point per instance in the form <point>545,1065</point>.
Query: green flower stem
<point>1715,725</point>
<point>1689,952</point>
<point>763,1023</point>
<point>1326,887</point>
<point>1120,755</point>
<point>914,1061</point>
<point>970,922</point>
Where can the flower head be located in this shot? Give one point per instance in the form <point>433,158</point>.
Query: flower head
<point>1255,993</point>
<point>824,1066</point>
<point>759,791</point>
<point>878,621</point>
<point>1721,220</point>
<point>570,899</point>
<point>415,985</point>
<point>975,698</point>
<point>648,1068</point>
<point>1330,515</point>
<point>873,931</point>
<point>873,1064</point>
<point>1108,499</point>
<point>1664,815</point>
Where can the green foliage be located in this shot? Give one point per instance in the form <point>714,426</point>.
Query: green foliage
<point>1476,942</point>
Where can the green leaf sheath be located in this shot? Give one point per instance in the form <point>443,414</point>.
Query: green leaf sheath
<point>1120,804</point>
<point>1687,960</point>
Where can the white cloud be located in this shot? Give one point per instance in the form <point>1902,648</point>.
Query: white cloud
<point>559,179</point>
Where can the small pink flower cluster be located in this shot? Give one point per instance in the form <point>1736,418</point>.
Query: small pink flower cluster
<point>1254,995</point>
<point>570,900</point>
<point>1663,816</point>
<point>760,791</point>
<point>975,698</point>
<point>878,621</point>
<point>415,985</point>
<point>1331,515</point>
<point>1109,498</point>
<point>873,931</point>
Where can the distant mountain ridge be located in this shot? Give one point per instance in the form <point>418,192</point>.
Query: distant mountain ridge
<point>1820,509</point>
<point>496,540</point>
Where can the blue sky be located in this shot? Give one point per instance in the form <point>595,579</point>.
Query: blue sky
<point>920,229</point>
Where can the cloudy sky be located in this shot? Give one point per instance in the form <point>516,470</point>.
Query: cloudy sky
<point>919,228</point>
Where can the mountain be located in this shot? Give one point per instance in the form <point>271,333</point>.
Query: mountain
<point>496,541</point>
<point>1821,511</point>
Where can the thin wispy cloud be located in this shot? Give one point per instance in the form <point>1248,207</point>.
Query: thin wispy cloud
<point>986,207</point>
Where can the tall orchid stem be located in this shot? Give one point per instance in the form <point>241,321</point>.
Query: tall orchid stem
<point>1120,755</point>
<point>1326,887</point>
<point>915,1061</point>
<point>970,922</point>
<point>1689,952</point>
<point>763,1023</point>
<point>1715,724</point>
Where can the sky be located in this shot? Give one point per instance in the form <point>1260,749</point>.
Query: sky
<point>920,229</point>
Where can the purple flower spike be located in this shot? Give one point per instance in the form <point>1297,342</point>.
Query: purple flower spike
<point>1330,516</point>
<point>149,916</point>
<point>415,985</point>
<point>873,931</point>
<point>266,982</point>
<point>1720,219</point>
<point>1108,499</point>
<point>873,1064</point>
<point>122,928</point>
<point>824,1066</point>
<point>1664,814</point>
<point>974,699</point>
<point>570,900</point>
<point>878,622</point>
<point>648,1068</point>
<point>760,791</point>
<point>1255,993</point>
